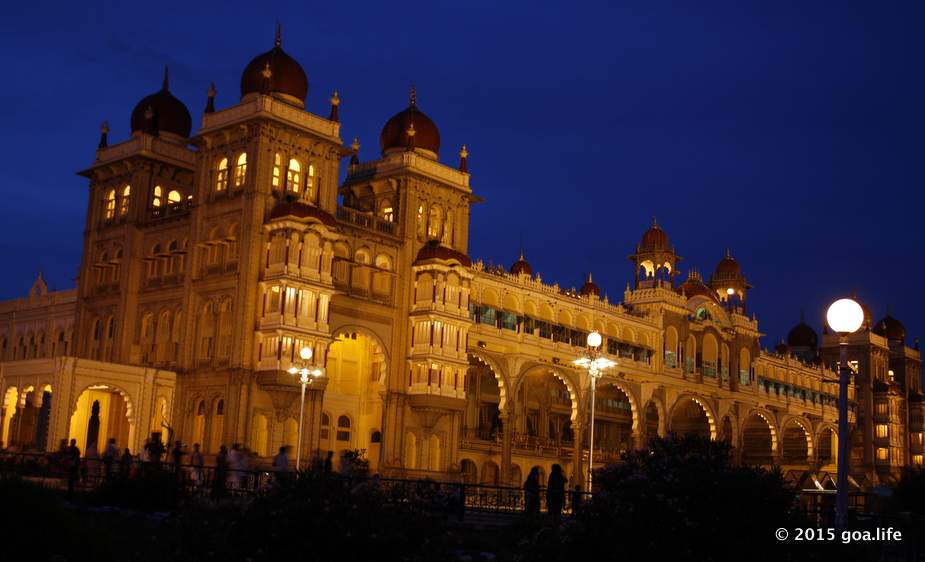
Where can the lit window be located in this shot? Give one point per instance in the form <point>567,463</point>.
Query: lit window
<point>421,225</point>
<point>293,176</point>
<point>891,375</point>
<point>110,209</point>
<point>174,197</point>
<point>435,223</point>
<point>883,431</point>
<point>919,437</point>
<point>882,408</point>
<point>917,460</point>
<point>883,454</point>
<point>126,198</point>
<point>386,211</point>
<point>158,193</point>
<point>310,181</point>
<point>240,170</point>
<point>221,177</point>
<point>343,428</point>
<point>277,162</point>
<point>325,425</point>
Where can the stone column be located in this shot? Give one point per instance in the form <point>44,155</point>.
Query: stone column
<point>311,430</point>
<point>507,446</point>
<point>578,465</point>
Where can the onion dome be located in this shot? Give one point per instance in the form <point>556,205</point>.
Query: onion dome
<point>727,268</point>
<point>301,211</point>
<point>275,73</point>
<point>654,239</point>
<point>521,266</point>
<point>162,112</point>
<point>694,286</point>
<point>781,348</point>
<point>590,288</point>
<point>433,250</point>
<point>410,129</point>
<point>891,328</point>
<point>802,335</point>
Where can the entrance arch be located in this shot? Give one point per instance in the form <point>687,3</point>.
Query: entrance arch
<point>482,417</point>
<point>758,440</point>
<point>102,412</point>
<point>615,420</point>
<point>547,408</point>
<point>796,443</point>
<point>691,416</point>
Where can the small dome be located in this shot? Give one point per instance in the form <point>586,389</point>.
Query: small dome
<point>727,268</point>
<point>655,238</point>
<point>802,335</point>
<point>891,328</point>
<point>694,286</point>
<point>521,266</point>
<point>275,72</point>
<point>590,288</point>
<point>424,135</point>
<point>432,250</point>
<point>299,210</point>
<point>781,348</point>
<point>162,112</point>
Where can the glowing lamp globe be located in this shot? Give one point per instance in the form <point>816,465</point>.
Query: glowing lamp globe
<point>305,353</point>
<point>730,291</point>
<point>845,316</point>
<point>595,340</point>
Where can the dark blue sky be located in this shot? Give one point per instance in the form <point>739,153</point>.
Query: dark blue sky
<point>790,132</point>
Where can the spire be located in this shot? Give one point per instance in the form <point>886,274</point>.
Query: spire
<point>335,103</point>
<point>728,253</point>
<point>210,101</point>
<point>166,85</point>
<point>278,42</point>
<point>654,222</point>
<point>414,96</point>
<point>355,157</point>
<point>464,160</point>
<point>104,132</point>
<point>589,280</point>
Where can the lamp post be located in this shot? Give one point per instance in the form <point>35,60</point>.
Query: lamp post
<point>595,364</point>
<point>845,317</point>
<point>305,371</point>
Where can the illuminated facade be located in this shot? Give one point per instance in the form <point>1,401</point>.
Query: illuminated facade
<point>211,258</point>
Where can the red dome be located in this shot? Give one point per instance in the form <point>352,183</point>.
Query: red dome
<point>299,210</point>
<point>655,238</point>
<point>521,266</point>
<point>727,268</point>
<point>395,132</point>
<point>590,288</point>
<point>802,335</point>
<point>694,286</point>
<point>161,111</point>
<point>434,251</point>
<point>891,328</point>
<point>275,72</point>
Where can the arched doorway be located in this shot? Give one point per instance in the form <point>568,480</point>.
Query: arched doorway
<point>490,473</point>
<point>710,356</point>
<point>545,407</point>
<point>470,472</point>
<point>355,369</point>
<point>826,447</point>
<point>517,477</point>
<point>794,444</point>
<point>483,398</point>
<point>101,413</point>
<point>690,418</point>
<point>757,441</point>
<point>613,422</point>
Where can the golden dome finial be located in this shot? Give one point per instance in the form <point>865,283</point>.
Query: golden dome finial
<point>104,128</point>
<point>414,95</point>
<point>335,98</point>
<point>278,42</point>
<point>463,153</point>
<point>356,144</point>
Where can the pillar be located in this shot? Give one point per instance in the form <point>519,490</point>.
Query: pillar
<point>578,455</point>
<point>507,446</point>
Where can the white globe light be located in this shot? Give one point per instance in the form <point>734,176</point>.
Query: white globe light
<point>730,291</point>
<point>845,316</point>
<point>305,353</point>
<point>595,340</point>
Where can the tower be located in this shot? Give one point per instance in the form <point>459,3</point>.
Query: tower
<point>655,260</point>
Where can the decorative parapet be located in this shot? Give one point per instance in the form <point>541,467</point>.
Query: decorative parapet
<point>404,161</point>
<point>146,145</point>
<point>266,106</point>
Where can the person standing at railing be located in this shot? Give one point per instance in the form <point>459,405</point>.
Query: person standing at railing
<point>125,464</point>
<point>109,456</point>
<point>555,492</point>
<point>281,462</point>
<point>195,459</point>
<point>532,491</point>
<point>176,456</point>
<point>73,466</point>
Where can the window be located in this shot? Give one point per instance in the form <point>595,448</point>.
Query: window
<point>421,225</point>
<point>435,223</point>
<point>293,176</point>
<point>126,199</point>
<point>325,425</point>
<point>343,428</point>
<point>882,408</point>
<point>221,177</point>
<point>110,205</point>
<point>240,170</point>
<point>917,460</point>
<point>883,431</point>
<point>174,197</point>
<point>310,182</point>
<point>158,194</point>
<point>883,454</point>
<point>220,408</point>
<point>386,211</point>
<point>277,162</point>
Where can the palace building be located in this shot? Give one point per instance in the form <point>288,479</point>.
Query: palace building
<point>212,257</point>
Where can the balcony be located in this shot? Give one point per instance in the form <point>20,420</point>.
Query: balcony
<point>366,220</point>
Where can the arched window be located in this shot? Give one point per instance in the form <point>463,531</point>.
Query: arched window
<point>221,176</point>
<point>277,164</point>
<point>174,197</point>
<point>343,428</point>
<point>207,331</point>
<point>386,211</point>
<point>240,170</point>
<point>126,199</point>
<point>422,227</point>
<point>435,223</point>
<point>293,176</point>
<point>325,426</point>
<point>158,195</point>
<point>310,182</point>
<point>448,229</point>
<point>110,205</point>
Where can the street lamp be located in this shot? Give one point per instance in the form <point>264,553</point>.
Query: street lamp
<point>305,370</point>
<point>595,364</point>
<point>845,316</point>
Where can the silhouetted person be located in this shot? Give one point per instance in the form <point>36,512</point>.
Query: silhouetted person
<point>109,456</point>
<point>577,498</point>
<point>176,456</point>
<point>555,492</point>
<point>125,463</point>
<point>532,491</point>
<point>281,460</point>
<point>329,463</point>
<point>196,461</point>
<point>73,466</point>
<point>221,472</point>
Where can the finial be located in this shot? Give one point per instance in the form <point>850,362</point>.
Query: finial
<point>355,145</point>
<point>414,95</point>
<point>654,223</point>
<point>355,157</point>
<point>589,278</point>
<point>278,42</point>
<point>166,85</point>
<point>335,103</point>
<point>464,160</point>
<point>728,253</point>
<point>522,258</point>
<point>104,132</point>
<point>210,101</point>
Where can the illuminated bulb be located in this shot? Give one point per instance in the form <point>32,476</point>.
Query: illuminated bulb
<point>595,340</point>
<point>845,316</point>
<point>305,353</point>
